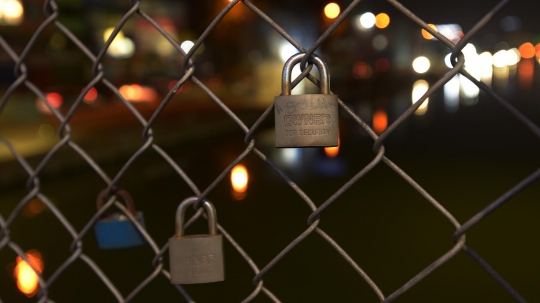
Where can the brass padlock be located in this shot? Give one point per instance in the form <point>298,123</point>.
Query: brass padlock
<point>309,120</point>
<point>196,258</point>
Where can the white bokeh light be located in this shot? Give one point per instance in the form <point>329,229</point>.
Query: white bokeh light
<point>500,58</point>
<point>421,64</point>
<point>367,20</point>
<point>187,45</point>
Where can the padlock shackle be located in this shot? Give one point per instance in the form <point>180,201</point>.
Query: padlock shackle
<point>210,215</point>
<point>118,192</point>
<point>295,59</point>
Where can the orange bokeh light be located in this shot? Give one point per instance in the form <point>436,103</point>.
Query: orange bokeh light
<point>332,152</point>
<point>382,20</point>
<point>332,10</point>
<point>27,279</point>
<point>426,34</point>
<point>239,178</point>
<point>380,121</point>
<point>527,50</point>
<point>137,93</point>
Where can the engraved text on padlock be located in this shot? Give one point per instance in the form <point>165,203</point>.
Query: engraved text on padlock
<point>196,258</point>
<point>309,120</point>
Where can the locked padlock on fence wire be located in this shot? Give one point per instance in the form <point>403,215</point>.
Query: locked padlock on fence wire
<point>309,120</point>
<point>196,258</point>
<point>115,230</point>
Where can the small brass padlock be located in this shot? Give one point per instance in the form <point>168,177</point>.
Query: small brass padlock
<point>309,120</point>
<point>115,230</point>
<point>196,258</point>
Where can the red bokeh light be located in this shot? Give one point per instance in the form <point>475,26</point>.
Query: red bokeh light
<point>54,99</point>
<point>361,70</point>
<point>382,65</point>
<point>91,95</point>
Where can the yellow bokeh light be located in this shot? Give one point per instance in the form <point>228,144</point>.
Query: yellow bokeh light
<point>27,279</point>
<point>107,33</point>
<point>382,20</point>
<point>332,10</point>
<point>420,87</point>
<point>426,34</point>
<point>239,178</point>
<point>13,9</point>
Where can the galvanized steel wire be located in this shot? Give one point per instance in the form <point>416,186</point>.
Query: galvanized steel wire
<point>51,12</point>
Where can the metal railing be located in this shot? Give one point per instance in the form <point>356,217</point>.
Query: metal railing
<point>51,11</point>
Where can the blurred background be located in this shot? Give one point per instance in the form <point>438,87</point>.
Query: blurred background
<point>461,145</point>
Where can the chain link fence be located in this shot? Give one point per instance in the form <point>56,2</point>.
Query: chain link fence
<point>160,250</point>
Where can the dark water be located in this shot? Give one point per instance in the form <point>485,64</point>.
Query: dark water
<point>465,161</point>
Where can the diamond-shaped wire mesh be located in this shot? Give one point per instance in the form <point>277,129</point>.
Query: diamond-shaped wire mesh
<point>187,68</point>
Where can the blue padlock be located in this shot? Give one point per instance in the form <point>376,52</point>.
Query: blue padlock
<point>116,230</point>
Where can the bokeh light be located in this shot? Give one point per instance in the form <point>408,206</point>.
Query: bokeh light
<point>426,34</point>
<point>382,20</point>
<point>332,10</point>
<point>27,279</point>
<point>187,45</point>
<point>367,20</point>
<point>420,87</point>
<point>380,121</point>
<point>332,152</point>
<point>380,42</point>
<point>239,178</point>
<point>527,50</point>
<point>91,95</point>
<point>421,64</point>
<point>361,70</point>
<point>54,99</point>
<point>513,56</point>
<point>500,58</point>
<point>13,9</point>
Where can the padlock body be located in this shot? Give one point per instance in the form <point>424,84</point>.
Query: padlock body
<point>116,231</point>
<point>196,259</point>
<point>306,120</point>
